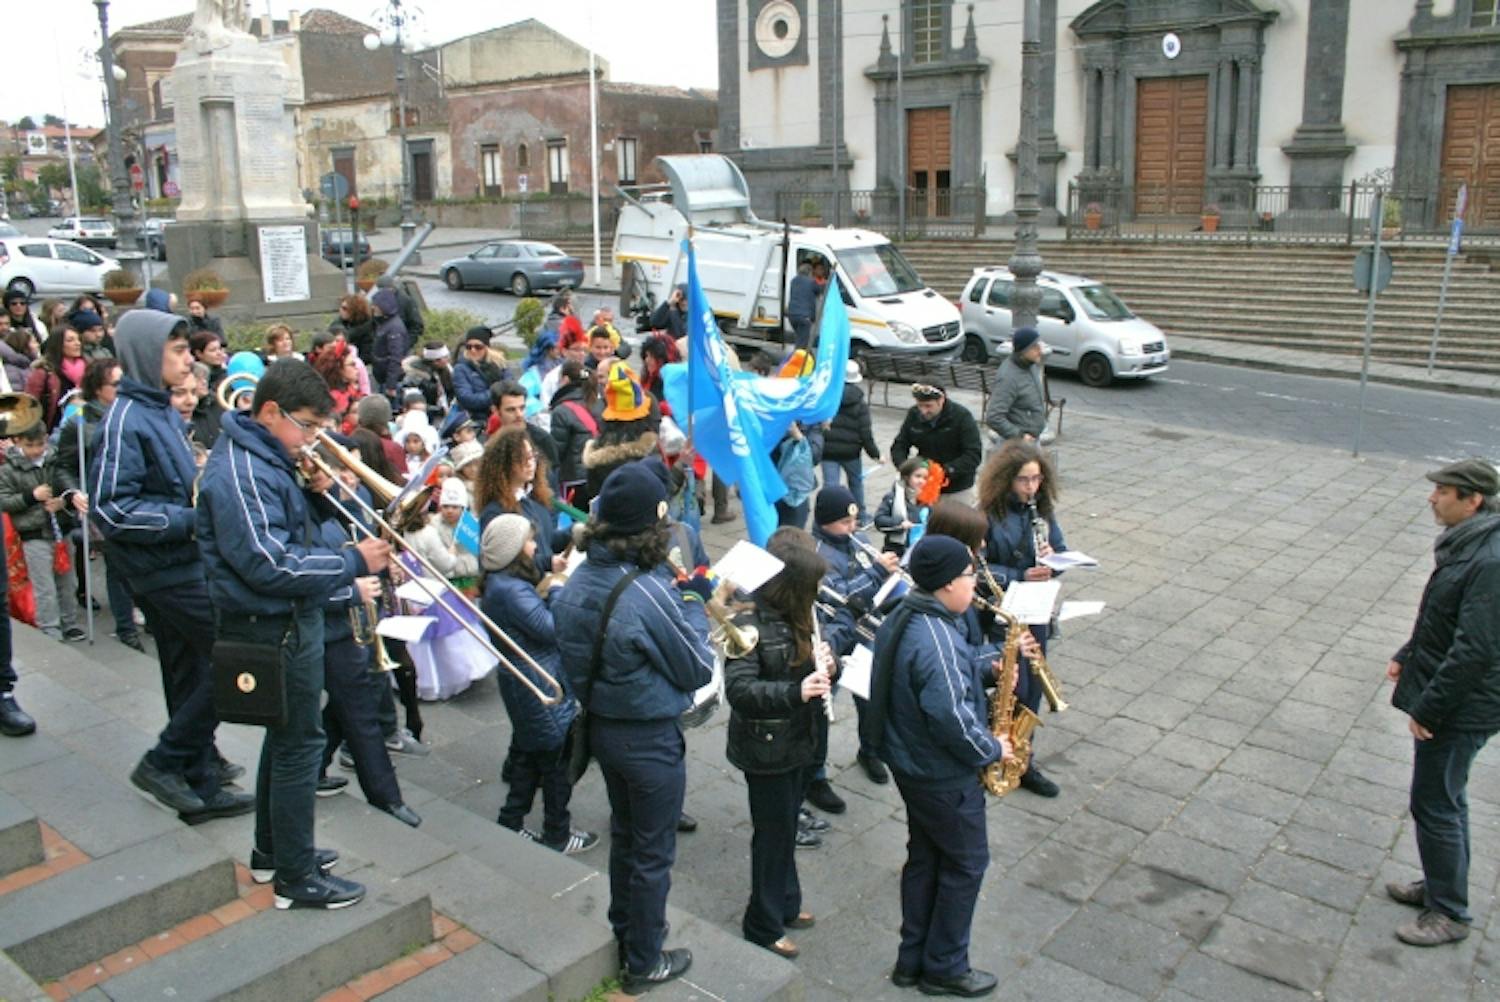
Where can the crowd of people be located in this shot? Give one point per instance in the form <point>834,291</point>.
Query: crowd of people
<point>558,494</point>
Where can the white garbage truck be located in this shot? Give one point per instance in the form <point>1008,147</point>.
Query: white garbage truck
<point>746,264</point>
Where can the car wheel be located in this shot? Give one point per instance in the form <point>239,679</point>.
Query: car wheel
<point>453,279</point>
<point>520,285</point>
<point>974,349</point>
<point>22,285</point>
<point>1095,370</point>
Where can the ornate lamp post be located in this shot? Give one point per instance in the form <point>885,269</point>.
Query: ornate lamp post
<point>395,23</point>
<point>119,181</point>
<point>1026,261</point>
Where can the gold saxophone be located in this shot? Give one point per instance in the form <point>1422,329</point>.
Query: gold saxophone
<point>1010,719</point>
<point>1039,668</point>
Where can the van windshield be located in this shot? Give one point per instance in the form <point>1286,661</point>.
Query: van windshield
<point>1101,304</point>
<point>879,271</point>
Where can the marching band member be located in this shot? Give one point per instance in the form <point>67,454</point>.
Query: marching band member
<point>928,713</point>
<point>635,650</point>
<point>269,580</point>
<point>1018,493</point>
<point>775,696</point>
<point>855,574</point>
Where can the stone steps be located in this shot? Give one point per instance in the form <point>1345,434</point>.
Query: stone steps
<point>20,836</point>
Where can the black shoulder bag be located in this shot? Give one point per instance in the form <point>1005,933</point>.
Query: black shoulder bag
<point>578,752</point>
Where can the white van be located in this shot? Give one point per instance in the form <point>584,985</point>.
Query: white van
<point>746,263</point>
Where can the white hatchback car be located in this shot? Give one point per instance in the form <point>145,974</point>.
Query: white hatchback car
<point>1086,326</point>
<point>41,265</point>
<point>91,231</point>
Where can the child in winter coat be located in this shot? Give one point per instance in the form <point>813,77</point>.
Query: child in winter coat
<point>899,512</point>
<point>41,518</point>
<point>539,741</point>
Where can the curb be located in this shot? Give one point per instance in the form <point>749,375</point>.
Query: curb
<point>1312,369</point>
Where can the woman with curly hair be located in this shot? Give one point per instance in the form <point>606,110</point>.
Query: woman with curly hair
<point>513,478</point>
<point>337,365</point>
<point>357,325</point>
<point>1016,486</point>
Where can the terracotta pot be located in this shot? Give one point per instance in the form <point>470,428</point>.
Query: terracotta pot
<point>210,298</point>
<point>365,284</point>
<point>1092,220</point>
<point>1210,224</point>
<point>123,297</point>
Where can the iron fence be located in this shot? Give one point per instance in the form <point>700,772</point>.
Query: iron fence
<point>930,212</point>
<point>1256,213</point>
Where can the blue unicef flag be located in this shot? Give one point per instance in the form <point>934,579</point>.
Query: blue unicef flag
<point>738,417</point>
<point>466,532</point>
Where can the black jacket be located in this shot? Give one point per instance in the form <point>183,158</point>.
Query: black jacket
<point>850,429</point>
<point>952,439</point>
<point>1450,667</point>
<point>771,730</point>
<point>571,433</point>
<point>18,479</point>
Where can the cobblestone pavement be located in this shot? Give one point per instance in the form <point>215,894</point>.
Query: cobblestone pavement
<point>1233,775</point>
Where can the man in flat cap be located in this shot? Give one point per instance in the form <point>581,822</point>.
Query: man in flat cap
<point>1447,679</point>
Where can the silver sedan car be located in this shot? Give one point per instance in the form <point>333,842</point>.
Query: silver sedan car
<point>517,265</point>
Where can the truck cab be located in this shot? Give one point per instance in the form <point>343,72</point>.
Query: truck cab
<point>746,264</point>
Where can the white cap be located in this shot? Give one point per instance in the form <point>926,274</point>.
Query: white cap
<point>454,494</point>
<point>852,373</point>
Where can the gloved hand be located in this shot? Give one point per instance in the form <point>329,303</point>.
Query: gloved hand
<point>700,585</point>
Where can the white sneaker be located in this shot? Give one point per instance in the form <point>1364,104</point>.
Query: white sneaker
<point>404,744</point>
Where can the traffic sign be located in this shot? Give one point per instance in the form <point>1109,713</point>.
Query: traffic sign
<point>1462,202</point>
<point>137,177</point>
<point>1455,240</point>
<point>1362,270</point>
<point>334,186</point>
<point>170,189</point>
<point>522,181</point>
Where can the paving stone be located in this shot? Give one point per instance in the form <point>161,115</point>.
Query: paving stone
<point>1270,954</point>
<point>1143,810</point>
<point>86,807</point>
<point>1193,860</point>
<point>1063,870</point>
<point>482,973</point>
<point>1130,736</point>
<point>20,836</point>
<point>1098,834</point>
<point>1190,751</point>
<point>1224,827</point>
<point>1343,853</point>
<point>1312,878</point>
<point>1203,977</point>
<point>1163,899</point>
<point>1046,980</point>
<point>1215,729</point>
<point>349,824</point>
<point>1117,949</point>
<point>1285,772</point>
<point>1292,914</point>
<point>1371,768</point>
<point>1346,821</point>
<point>1249,797</point>
<point>1162,776</point>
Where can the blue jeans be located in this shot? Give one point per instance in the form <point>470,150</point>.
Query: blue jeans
<point>1440,809</point>
<point>947,852</point>
<point>646,778</point>
<point>291,755</point>
<point>855,468</point>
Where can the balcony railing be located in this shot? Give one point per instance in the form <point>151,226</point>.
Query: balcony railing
<point>930,212</point>
<point>1251,213</point>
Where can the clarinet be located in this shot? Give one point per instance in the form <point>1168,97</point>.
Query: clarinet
<point>1039,531</point>
<point>817,633</point>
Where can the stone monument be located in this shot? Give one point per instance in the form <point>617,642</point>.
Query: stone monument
<point>242,212</point>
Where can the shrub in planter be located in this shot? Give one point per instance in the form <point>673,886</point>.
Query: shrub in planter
<point>367,274</point>
<point>121,288</point>
<point>1210,219</point>
<point>529,316</point>
<point>204,285</point>
<point>1093,215</point>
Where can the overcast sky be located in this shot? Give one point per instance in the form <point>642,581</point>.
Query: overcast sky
<point>45,67</point>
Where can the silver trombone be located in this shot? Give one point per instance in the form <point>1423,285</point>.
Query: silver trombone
<point>437,593</point>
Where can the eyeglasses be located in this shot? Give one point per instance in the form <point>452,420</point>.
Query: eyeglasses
<point>304,427</point>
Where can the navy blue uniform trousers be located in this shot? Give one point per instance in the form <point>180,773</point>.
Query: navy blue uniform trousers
<point>182,622</point>
<point>947,852</point>
<point>353,715</point>
<point>646,777</point>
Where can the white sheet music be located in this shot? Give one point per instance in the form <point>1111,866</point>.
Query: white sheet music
<point>1072,610</point>
<point>748,566</point>
<point>1032,601</point>
<point>855,675</point>
<point>1069,559</point>
<point>407,628</point>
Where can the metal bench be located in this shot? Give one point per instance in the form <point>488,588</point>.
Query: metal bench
<point>898,367</point>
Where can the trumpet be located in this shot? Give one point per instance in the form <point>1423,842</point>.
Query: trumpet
<point>732,641</point>
<point>875,555</point>
<point>488,630</point>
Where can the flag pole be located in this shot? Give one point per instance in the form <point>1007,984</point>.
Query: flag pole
<point>692,484</point>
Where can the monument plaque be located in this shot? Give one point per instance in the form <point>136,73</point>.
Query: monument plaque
<point>283,263</point>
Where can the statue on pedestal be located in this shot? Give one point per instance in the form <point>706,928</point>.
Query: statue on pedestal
<point>217,23</point>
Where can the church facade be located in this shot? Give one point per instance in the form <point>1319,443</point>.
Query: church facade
<point>1160,107</point>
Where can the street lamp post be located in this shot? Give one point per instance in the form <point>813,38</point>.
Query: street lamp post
<point>396,20</point>
<point>1026,260</point>
<point>119,181</point>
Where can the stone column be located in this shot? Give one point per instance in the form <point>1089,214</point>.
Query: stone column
<point>1242,131</point>
<point>1319,147</point>
<point>729,76</point>
<point>1091,118</point>
<point>1223,114</point>
<point>1109,157</point>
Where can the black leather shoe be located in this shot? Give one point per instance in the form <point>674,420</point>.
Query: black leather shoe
<point>403,814</point>
<point>319,891</point>
<point>222,804</point>
<point>169,788</point>
<point>874,769</point>
<point>970,984</point>
<point>331,786</point>
<point>1033,780</point>
<point>670,965</point>
<point>14,721</point>
<point>263,865</point>
<point>687,823</point>
<point>905,979</point>
<point>132,640</point>
<point>228,771</point>
<point>821,796</point>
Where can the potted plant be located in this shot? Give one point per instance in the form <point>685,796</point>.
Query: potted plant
<point>205,286</point>
<point>529,316</point>
<point>368,272</point>
<point>1210,218</point>
<point>1093,216</point>
<point>121,288</point>
<point>1390,219</point>
<point>812,214</point>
